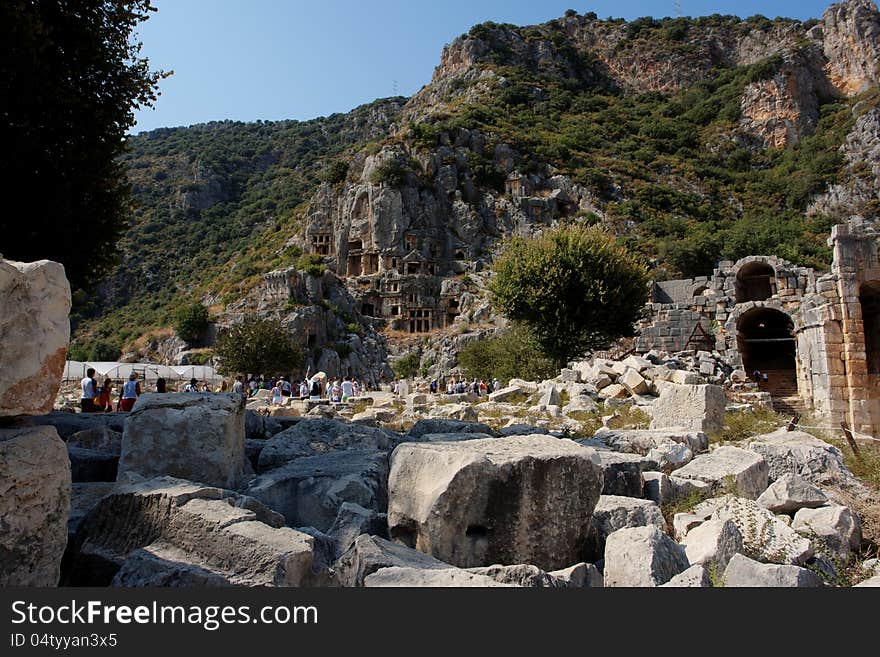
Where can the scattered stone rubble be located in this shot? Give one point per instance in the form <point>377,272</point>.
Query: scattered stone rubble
<point>434,490</point>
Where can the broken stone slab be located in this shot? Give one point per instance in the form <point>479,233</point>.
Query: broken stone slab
<point>569,375</point>
<point>615,512</point>
<point>193,436</point>
<point>352,520</point>
<point>309,491</point>
<point>658,488</point>
<point>417,577</point>
<point>448,437</point>
<point>637,363</point>
<point>462,412</point>
<point>682,487</point>
<point>372,416</point>
<point>684,378</point>
<point>34,505</point>
<point>315,436</point>
<point>102,439</point>
<point>522,430</point>
<point>549,397</point>
<point>621,473</point>
<point>34,332</point>
<point>634,382</point>
<point>695,407</point>
<point>369,554</point>
<point>494,501</point>
<point>580,404</point>
<point>228,534</point>
<point>713,543</point>
<point>797,452</point>
<point>744,572</point>
<point>613,391</point>
<point>522,575</point>
<point>161,564</point>
<point>67,424</point>
<point>697,576</point>
<point>836,528</point>
<point>871,582</point>
<point>670,456</point>
<point>743,469</point>
<point>506,394</point>
<point>642,441</point>
<point>765,537</point>
<point>642,556</point>
<point>437,425</point>
<point>791,492</point>
<point>579,576</point>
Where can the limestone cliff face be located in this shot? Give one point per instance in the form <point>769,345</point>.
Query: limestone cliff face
<point>850,33</point>
<point>859,193</point>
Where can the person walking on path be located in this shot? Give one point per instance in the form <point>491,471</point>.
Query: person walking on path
<point>89,392</point>
<point>131,390</point>
<point>105,404</point>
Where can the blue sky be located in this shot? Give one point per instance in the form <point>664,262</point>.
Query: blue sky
<point>290,59</point>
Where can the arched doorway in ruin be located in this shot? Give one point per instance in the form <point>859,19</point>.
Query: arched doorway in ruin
<point>766,343</point>
<point>869,298</point>
<point>755,281</point>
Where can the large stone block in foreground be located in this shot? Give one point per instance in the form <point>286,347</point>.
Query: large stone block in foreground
<point>34,333</point>
<point>194,436</point>
<point>522,499</point>
<point>34,506</point>
<point>694,407</point>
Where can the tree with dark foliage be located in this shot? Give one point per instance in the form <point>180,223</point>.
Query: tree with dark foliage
<point>70,78</point>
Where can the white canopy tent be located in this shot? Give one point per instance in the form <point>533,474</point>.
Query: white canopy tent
<point>200,372</point>
<point>76,370</point>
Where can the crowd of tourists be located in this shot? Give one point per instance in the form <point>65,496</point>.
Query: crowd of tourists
<point>453,386</point>
<point>98,398</point>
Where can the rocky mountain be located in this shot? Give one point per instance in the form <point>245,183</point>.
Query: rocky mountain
<point>692,139</point>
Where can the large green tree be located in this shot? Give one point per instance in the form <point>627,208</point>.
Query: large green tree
<point>574,286</point>
<point>70,78</point>
<point>259,346</point>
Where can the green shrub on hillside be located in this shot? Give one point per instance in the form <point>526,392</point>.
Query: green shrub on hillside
<point>191,322</point>
<point>512,354</point>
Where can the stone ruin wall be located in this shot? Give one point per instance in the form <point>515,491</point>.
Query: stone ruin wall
<point>835,321</point>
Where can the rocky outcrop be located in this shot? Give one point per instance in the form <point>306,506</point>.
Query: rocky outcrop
<point>494,501</point>
<point>850,34</point>
<point>34,332</point>
<point>195,436</point>
<point>34,506</point>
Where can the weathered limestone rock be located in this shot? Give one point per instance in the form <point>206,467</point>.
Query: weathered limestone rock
<point>549,397</point>
<point>315,436</point>
<point>634,382</point>
<point>697,576</point>
<point>851,34</point>
<point>714,541</point>
<point>418,577</point>
<point>523,575</point>
<point>621,473</point>
<point>68,424</point>
<point>34,505</point>
<point>495,501</point>
<point>800,453</point>
<point>614,512</point>
<point>459,412</point>
<point>438,425</point>
<point>746,470</point>
<point>613,391</point>
<point>670,456</point>
<point>579,576</point>
<point>745,572</point>
<point>448,437</point>
<point>352,520</point>
<point>642,556</point>
<point>309,491</point>
<point>34,333</point>
<point>194,436</point>
<point>694,407</point>
<point>522,430</point>
<point>371,553</point>
<point>764,536</point>
<point>508,393</point>
<point>658,487</point>
<point>642,441</point>
<point>836,527</point>
<point>185,528</point>
<point>789,493</point>
<point>83,496</point>
<point>682,487</point>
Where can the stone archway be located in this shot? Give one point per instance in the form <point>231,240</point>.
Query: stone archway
<point>755,281</point>
<point>766,344</point>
